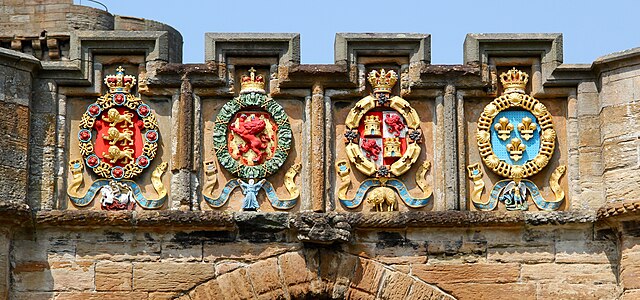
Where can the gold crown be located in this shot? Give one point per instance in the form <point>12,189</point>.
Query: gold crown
<point>514,81</point>
<point>252,83</point>
<point>382,81</point>
<point>120,82</point>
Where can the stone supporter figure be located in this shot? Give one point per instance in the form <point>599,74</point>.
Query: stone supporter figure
<point>250,191</point>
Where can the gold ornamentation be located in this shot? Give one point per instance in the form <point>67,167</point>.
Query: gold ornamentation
<point>475,173</point>
<point>492,161</point>
<point>392,147</point>
<point>549,135</point>
<point>541,161</point>
<point>103,169</point>
<point>490,110</point>
<point>114,135</point>
<point>400,149</point>
<point>86,149</point>
<point>421,179</point>
<point>504,128</point>
<point>382,195</point>
<point>404,108</point>
<point>252,83</point>
<point>517,172</point>
<point>290,184</point>
<point>372,126</point>
<point>150,122</point>
<point>120,82</point>
<point>515,191</point>
<point>516,148</point>
<point>115,154</point>
<point>382,81</point>
<point>119,108</point>
<point>357,158</point>
<point>343,170</point>
<point>514,81</point>
<point>156,180</point>
<point>540,110</point>
<point>114,118</point>
<point>87,121</point>
<point>526,128</point>
<point>75,167</point>
<point>483,136</point>
<point>554,180</point>
<point>358,111</point>
<point>211,178</point>
<point>150,149</point>
<point>354,153</point>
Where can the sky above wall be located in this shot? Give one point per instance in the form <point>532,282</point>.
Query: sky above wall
<point>590,28</point>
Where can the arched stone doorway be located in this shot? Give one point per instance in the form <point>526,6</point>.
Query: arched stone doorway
<point>312,274</point>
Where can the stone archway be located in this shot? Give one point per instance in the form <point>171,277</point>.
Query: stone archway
<point>312,274</point>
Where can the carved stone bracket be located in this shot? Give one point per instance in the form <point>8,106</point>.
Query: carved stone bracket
<point>322,228</point>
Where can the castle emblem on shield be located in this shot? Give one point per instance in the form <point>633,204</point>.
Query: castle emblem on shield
<point>382,141</point>
<point>118,140</point>
<point>251,138</point>
<point>516,140</point>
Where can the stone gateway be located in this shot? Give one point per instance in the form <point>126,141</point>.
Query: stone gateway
<point>127,174</point>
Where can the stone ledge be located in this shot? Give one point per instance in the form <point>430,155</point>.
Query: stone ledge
<point>281,221</point>
<point>167,218</point>
<point>310,227</point>
<point>14,213</point>
<point>617,209</point>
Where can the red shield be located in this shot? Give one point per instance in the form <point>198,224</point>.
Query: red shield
<point>383,136</point>
<point>119,139</point>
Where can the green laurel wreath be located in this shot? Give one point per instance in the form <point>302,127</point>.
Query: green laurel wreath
<point>246,101</point>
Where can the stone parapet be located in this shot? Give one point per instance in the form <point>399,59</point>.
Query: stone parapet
<point>375,176</point>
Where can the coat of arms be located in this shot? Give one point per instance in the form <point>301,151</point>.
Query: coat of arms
<point>516,140</point>
<point>252,137</point>
<point>118,140</point>
<point>382,141</point>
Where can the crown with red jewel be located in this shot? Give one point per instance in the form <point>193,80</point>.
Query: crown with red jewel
<point>514,81</point>
<point>382,81</point>
<point>120,82</point>
<point>252,83</point>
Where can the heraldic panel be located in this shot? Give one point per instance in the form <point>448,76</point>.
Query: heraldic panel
<point>114,144</point>
<point>383,142</point>
<point>251,141</point>
<point>516,138</point>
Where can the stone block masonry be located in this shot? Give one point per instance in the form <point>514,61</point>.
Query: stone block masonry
<point>55,56</point>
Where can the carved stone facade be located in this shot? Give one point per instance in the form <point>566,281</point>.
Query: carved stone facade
<point>129,175</point>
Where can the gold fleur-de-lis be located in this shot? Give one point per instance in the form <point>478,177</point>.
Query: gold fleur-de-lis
<point>516,148</point>
<point>504,128</point>
<point>526,128</point>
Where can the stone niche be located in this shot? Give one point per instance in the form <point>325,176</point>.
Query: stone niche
<point>426,110</point>
<point>557,107</point>
<point>108,65</point>
<point>296,111</point>
<point>536,55</point>
<point>236,58</point>
<point>363,54</point>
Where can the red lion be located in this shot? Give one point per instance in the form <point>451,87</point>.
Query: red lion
<point>252,134</point>
<point>395,124</point>
<point>371,148</point>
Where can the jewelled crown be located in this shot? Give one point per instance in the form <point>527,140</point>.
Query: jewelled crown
<point>382,81</point>
<point>120,82</point>
<point>252,83</point>
<point>514,81</point>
